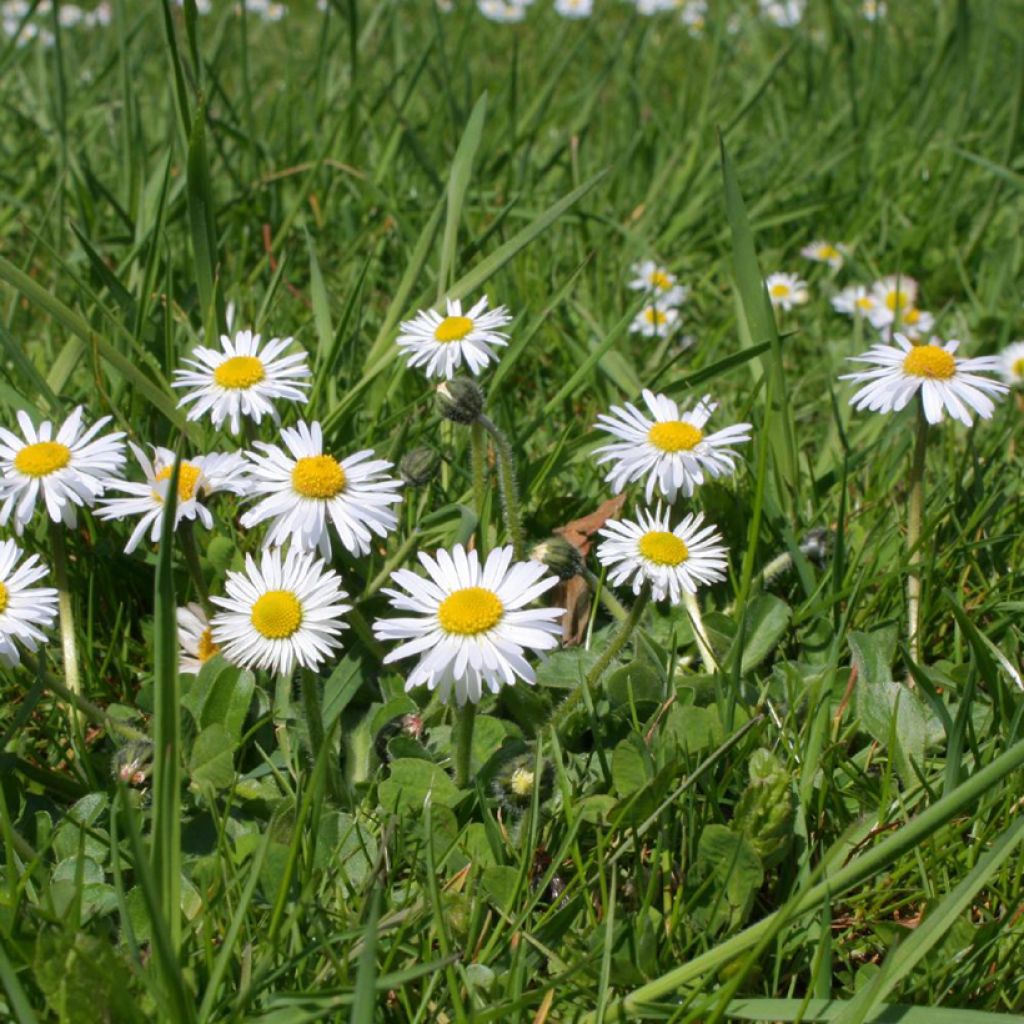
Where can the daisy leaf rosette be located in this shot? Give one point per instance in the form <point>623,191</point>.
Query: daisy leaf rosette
<point>25,610</point>
<point>304,490</point>
<point>470,625</point>
<point>669,448</point>
<point>67,469</point>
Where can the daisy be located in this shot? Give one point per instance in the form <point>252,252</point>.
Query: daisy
<point>694,14</point>
<point>1011,361</point>
<point>68,470</point>
<point>872,10</point>
<point>304,488</point>
<point>195,638</point>
<point>672,560</point>
<point>784,13</point>
<point>198,478</point>
<point>441,343</point>
<point>501,11</point>
<point>945,382</point>
<point>469,624</point>
<point>25,611</point>
<point>892,296</point>
<point>655,321</point>
<point>649,277</point>
<point>241,379</point>
<point>825,252</point>
<point>913,322</point>
<point>574,8</point>
<point>855,300</point>
<point>786,290</point>
<point>671,450</point>
<point>285,610</point>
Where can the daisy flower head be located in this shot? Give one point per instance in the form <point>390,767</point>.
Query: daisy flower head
<point>284,611</point>
<point>783,13</point>
<point>893,295</point>
<point>913,322</point>
<point>947,384</point>
<point>304,489</point>
<point>574,8</point>
<point>198,478</point>
<point>1011,362</point>
<point>195,639</point>
<point>501,10</point>
<point>440,344</point>
<point>873,10</point>
<point>673,560</point>
<point>649,277</point>
<point>855,300</point>
<point>786,290</point>
<point>25,610</point>
<point>655,321</point>
<point>694,15</point>
<point>243,378</point>
<point>825,252</point>
<point>469,623</point>
<point>669,448</point>
<point>68,469</point>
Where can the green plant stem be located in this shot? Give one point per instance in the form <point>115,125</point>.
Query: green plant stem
<point>608,599</point>
<point>190,549</point>
<point>362,628</point>
<point>479,457</point>
<point>507,485</point>
<point>69,646</point>
<point>462,735</point>
<point>707,656</point>
<point>915,519</point>
<point>613,647</point>
<point>312,707</point>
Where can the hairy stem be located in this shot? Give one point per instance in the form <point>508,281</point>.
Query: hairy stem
<point>72,680</point>
<point>507,485</point>
<point>915,518</point>
<point>707,656</point>
<point>479,456</point>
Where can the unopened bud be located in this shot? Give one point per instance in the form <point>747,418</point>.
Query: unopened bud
<point>460,400</point>
<point>561,557</point>
<point>419,466</point>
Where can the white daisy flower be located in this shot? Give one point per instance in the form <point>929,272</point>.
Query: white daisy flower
<point>441,343</point>
<point>784,13</point>
<point>241,379</point>
<point>306,488</point>
<point>893,295</point>
<point>947,384</point>
<point>671,451</point>
<point>672,560</point>
<point>1011,361</point>
<point>825,252</point>
<point>786,290</point>
<point>25,611</point>
<point>655,321</point>
<point>574,8</point>
<point>501,10</point>
<point>855,300</point>
<point>198,478</point>
<point>195,639</point>
<point>469,624</point>
<point>913,322</point>
<point>873,10</point>
<point>68,470</point>
<point>284,611</point>
<point>694,15</point>
<point>649,277</point>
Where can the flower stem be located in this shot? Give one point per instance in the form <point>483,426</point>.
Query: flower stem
<point>190,549</point>
<point>507,485</point>
<point>608,599</point>
<point>617,642</point>
<point>915,519</point>
<point>462,736</point>
<point>479,456</point>
<point>72,680</point>
<point>707,656</point>
<point>312,707</point>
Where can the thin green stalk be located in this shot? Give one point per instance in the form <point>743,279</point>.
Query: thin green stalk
<point>510,503</point>
<point>190,549</point>
<point>707,656</point>
<point>69,645</point>
<point>479,456</point>
<point>915,519</point>
<point>462,737</point>
<point>608,599</point>
<point>312,707</point>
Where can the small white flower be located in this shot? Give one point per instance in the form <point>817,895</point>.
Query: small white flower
<point>501,10</point>
<point>671,451</point>
<point>241,379</point>
<point>663,286</point>
<point>784,13</point>
<point>284,611</point>
<point>825,252</point>
<point>892,296</point>
<point>855,300</point>
<point>1011,361</point>
<point>673,560</point>
<point>68,470</point>
<point>25,611</point>
<point>873,10</point>
<point>305,490</point>
<point>198,478</point>
<point>655,321</point>
<point>694,15</point>
<point>195,639</point>
<point>786,290</point>
<point>470,624</point>
<point>947,384</point>
<point>574,8</point>
<point>913,322</point>
<point>441,343</point>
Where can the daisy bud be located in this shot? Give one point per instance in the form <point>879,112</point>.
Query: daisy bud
<point>133,763</point>
<point>419,467</point>
<point>516,783</point>
<point>561,557</point>
<point>460,400</point>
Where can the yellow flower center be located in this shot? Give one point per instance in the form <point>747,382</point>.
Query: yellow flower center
<point>827,252</point>
<point>911,316</point>
<point>895,299</point>
<point>1018,368</point>
<point>277,614</point>
<point>470,611</point>
<point>521,782</point>
<point>865,302</point>
<point>929,361</point>
<point>42,459</point>
<point>318,476</point>
<point>3,598</point>
<point>661,280</point>
<point>453,328</point>
<point>188,477</point>
<point>654,316</point>
<point>207,648</point>
<point>675,436</point>
<point>239,373</point>
<point>663,548</point>
<point>780,291</point>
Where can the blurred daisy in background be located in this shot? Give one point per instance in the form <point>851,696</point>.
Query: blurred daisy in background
<point>243,378</point>
<point>655,321</point>
<point>783,13</point>
<point>893,296</point>
<point>440,344</point>
<point>786,290</point>
<point>913,322</point>
<point>825,252</point>
<point>305,488</point>
<point>25,610</point>
<point>948,385</point>
<point>1011,364</point>
<point>873,10</point>
<point>671,450</point>
<point>195,639</point>
<point>694,15</point>
<point>501,10</point>
<point>285,611</point>
<point>672,560</point>
<point>574,8</point>
<point>469,624</point>
<point>855,300</point>
<point>66,469</point>
<point>663,286</point>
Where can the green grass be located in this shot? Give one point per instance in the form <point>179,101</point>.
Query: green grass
<point>778,840</point>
